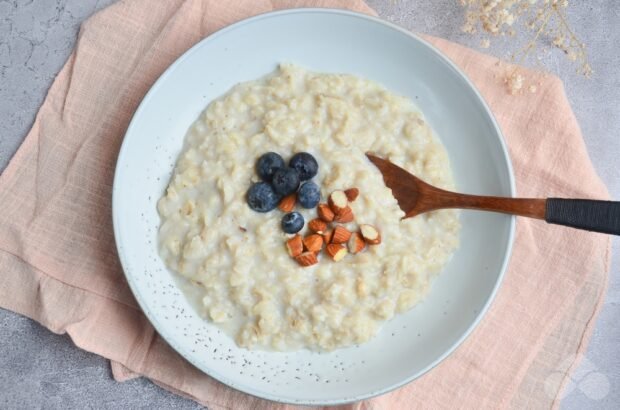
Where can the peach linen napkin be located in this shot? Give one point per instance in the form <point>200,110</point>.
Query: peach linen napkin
<point>60,267</point>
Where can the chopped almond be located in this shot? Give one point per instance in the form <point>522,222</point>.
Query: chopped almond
<point>295,246</point>
<point>352,194</point>
<point>336,251</point>
<point>317,225</point>
<point>313,243</point>
<point>327,236</point>
<point>338,201</point>
<point>307,259</point>
<point>325,212</point>
<point>345,215</point>
<point>371,234</point>
<point>287,204</point>
<point>356,243</point>
<point>341,235</point>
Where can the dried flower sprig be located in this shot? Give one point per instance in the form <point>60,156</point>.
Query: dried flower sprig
<point>543,18</point>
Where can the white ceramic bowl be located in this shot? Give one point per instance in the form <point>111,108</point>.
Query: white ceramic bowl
<point>327,41</point>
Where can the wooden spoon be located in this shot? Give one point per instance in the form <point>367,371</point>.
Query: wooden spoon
<point>415,196</point>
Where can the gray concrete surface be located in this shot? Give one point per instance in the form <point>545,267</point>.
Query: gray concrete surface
<point>41,370</point>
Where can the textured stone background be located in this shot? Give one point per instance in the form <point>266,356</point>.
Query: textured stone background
<point>39,369</point>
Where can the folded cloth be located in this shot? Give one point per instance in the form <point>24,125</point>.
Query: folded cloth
<point>60,265</point>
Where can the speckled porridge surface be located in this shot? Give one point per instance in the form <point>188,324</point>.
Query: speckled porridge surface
<point>236,258</point>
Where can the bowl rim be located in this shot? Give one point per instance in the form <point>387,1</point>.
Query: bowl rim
<point>169,337</point>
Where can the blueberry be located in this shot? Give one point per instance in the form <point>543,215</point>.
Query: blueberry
<point>267,165</point>
<point>262,198</point>
<point>292,222</point>
<point>285,181</point>
<point>309,195</point>
<point>305,164</point>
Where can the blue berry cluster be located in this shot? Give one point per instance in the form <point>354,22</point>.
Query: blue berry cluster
<point>280,180</point>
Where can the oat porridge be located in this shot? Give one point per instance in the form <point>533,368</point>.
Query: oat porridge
<point>237,259</point>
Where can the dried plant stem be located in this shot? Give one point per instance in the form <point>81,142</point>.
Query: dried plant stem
<point>532,44</point>
<point>543,18</point>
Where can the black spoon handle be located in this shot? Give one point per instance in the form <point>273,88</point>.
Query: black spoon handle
<point>591,215</point>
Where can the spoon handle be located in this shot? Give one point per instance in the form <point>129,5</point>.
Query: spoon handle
<point>435,198</point>
<point>587,214</point>
<point>591,215</point>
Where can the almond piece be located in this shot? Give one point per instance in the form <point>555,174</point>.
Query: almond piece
<point>307,259</point>
<point>371,234</point>
<point>287,204</point>
<point>341,235</point>
<point>327,236</point>
<point>336,251</point>
<point>338,201</point>
<point>313,243</point>
<point>317,225</point>
<point>325,212</point>
<point>356,243</point>
<point>345,215</point>
<point>352,194</point>
<point>295,246</point>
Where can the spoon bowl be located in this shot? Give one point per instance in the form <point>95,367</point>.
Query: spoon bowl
<point>415,196</point>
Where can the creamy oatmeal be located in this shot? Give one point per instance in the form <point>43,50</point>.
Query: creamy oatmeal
<point>236,257</point>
